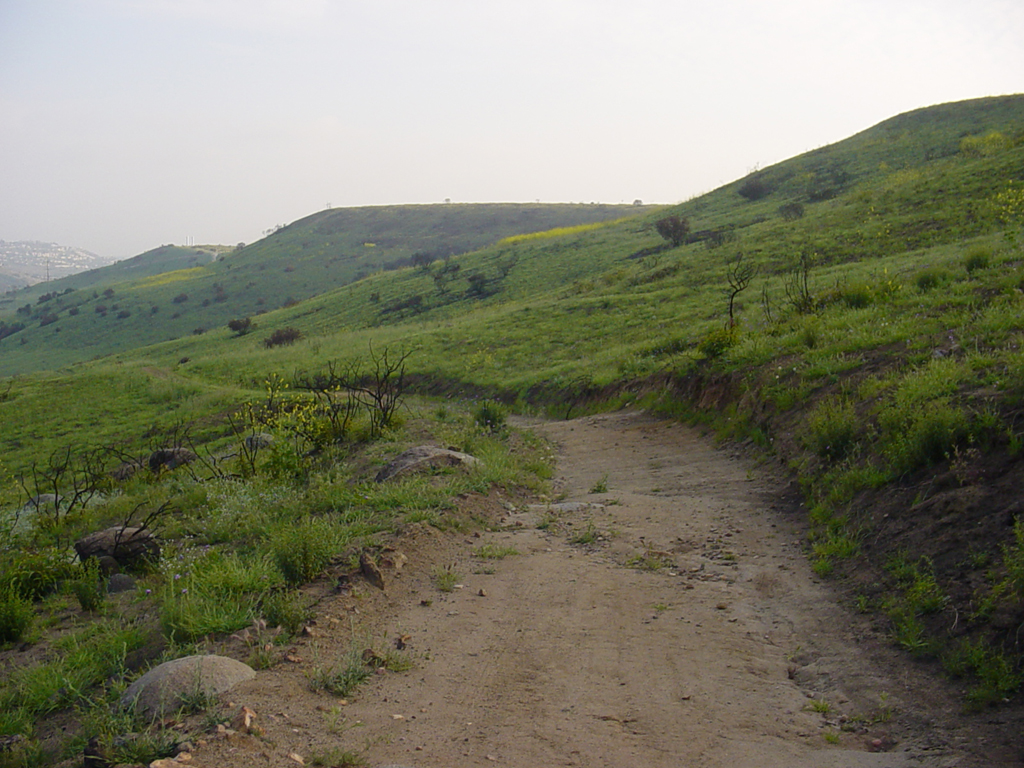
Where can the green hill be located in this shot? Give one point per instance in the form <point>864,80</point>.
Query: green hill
<point>172,292</point>
<point>854,315</point>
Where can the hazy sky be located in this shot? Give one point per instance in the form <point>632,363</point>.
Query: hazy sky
<point>125,124</point>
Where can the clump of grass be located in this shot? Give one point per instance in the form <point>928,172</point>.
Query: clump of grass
<point>336,757</point>
<point>977,258</point>
<point>918,594</point>
<point>36,573</point>
<point>836,544</point>
<point>819,705</point>
<point>285,610</point>
<point>90,586</point>
<point>340,679</point>
<point>446,577</point>
<point>649,559</point>
<point>78,664</point>
<point>391,659</point>
<point>588,535</point>
<point>495,552</point>
<point>16,615</point>
<point>303,551</point>
<point>716,342</point>
<point>857,296</point>
<point>997,677</point>
<point>1010,587</point>
<point>930,278</point>
<point>833,426</point>
<point>124,738</point>
<point>547,521</point>
<point>490,415</point>
<point>193,611</point>
<point>601,486</point>
<point>197,699</point>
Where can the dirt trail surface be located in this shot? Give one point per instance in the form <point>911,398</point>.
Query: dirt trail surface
<point>660,613</point>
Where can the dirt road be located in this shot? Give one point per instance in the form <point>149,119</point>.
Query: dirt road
<point>659,612</point>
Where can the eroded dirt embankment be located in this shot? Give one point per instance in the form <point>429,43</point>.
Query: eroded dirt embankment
<point>659,612</point>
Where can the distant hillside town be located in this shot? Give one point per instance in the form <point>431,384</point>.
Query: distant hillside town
<point>29,262</point>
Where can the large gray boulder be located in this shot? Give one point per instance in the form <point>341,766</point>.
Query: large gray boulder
<point>167,688</point>
<point>424,458</point>
<point>129,547</point>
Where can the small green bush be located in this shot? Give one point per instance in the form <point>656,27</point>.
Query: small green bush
<point>89,587</point>
<point>16,615</point>
<point>935,433</point>
<point>997,677</point>
<point>304,550</point>
<point>833,427</point>
<point>35,574</point>
<point>285,610</point>
<point>490,415</point>
<point>716,342</point>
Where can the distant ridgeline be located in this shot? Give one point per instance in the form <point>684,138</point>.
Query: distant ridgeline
<point>175,291</point>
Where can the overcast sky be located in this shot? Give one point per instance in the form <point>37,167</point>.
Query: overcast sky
<point>125,124</point>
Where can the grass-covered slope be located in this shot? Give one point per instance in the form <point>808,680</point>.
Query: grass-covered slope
<point>875,348</point>
<point>173,292</point>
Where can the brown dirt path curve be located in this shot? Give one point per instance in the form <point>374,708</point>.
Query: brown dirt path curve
<point>731,654</point>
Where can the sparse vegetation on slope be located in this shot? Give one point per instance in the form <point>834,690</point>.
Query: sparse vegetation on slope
<point>172,292</point>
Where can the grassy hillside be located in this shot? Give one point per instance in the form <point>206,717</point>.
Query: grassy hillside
<point>875,350</point>
<point>172,292</point>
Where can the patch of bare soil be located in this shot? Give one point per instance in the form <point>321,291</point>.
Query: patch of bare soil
<point>659,612</point>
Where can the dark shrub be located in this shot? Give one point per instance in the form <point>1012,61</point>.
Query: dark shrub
<point>48,319</point>
<point>754,187</point>
<point>674,229</point>
<point>282,336</point>
<point>242,326</point>
<point>181,298</point>
<point>9,330</point>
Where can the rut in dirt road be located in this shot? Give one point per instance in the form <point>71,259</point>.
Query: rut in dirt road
<point>682,628</point>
